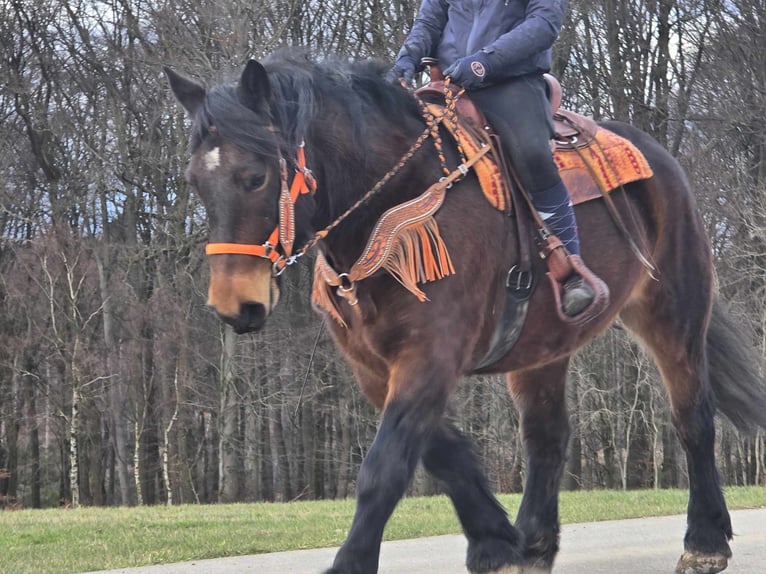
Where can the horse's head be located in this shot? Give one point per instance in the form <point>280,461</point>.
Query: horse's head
<point>248,167</point>
<point>235,168</point>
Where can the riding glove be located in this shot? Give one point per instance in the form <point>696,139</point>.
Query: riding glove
<point>404,68</point>
<point>470,72</point>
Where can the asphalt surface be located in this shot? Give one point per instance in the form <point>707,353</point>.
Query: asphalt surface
<point>639,546</point>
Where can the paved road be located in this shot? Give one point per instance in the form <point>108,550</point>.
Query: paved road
<point>641,546</point>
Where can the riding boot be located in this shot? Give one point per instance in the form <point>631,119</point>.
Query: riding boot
<point>555,208</point>
<point>578,295</point>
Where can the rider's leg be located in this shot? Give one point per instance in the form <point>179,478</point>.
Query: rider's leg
<point>520,114</point>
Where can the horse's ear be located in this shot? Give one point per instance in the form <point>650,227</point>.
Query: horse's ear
<point>188,93</point>
<point>254,86</point>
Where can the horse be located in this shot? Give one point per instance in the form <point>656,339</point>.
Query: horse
<point>327,133</point>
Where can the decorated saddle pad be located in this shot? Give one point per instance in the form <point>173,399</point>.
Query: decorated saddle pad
<point>605,164</point>
<point>492,182</point>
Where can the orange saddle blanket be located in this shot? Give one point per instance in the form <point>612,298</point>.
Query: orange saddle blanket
<point>602,165</point>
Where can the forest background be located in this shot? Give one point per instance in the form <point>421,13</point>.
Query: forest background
<point>118,386</point>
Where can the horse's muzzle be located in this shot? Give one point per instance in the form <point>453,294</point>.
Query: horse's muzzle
<point>252,317</point>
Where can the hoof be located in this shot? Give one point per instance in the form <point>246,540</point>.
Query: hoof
<point>519,570</point>
<point>698,563</point>
<point>494,556</point>
<point>353,569</point>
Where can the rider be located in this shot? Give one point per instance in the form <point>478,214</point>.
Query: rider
<point>498,51</point>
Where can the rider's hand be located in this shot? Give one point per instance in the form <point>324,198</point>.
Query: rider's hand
<point>404,69</point>
<point>470,72</point>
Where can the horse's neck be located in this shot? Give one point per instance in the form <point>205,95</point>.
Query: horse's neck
<point>351,173</point>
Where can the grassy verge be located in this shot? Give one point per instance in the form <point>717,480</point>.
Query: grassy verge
<point>62,541</point>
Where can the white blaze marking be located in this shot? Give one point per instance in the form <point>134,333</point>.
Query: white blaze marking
<point>213,159</point>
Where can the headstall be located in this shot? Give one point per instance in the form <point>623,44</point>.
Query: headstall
<point>278,248</point>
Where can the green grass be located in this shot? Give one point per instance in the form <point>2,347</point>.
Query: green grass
<point>61,541</point>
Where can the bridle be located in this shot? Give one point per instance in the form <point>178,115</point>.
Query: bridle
<point>278,248</point>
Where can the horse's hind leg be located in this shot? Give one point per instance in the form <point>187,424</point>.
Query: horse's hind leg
<point>673,324</point>
<point>540,397</point>
<point>493,543</point>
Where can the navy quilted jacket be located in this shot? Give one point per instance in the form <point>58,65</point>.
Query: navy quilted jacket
<point>517,35</point>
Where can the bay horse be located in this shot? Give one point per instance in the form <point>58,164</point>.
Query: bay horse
<point>252,140</point>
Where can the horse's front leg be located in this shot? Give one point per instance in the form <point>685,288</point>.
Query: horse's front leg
<point>493,543</point>
<point>540,397</point>
<point>418,389</point>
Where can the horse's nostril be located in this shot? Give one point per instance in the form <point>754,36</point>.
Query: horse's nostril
<point>251,317</point>
<point>253,314</point>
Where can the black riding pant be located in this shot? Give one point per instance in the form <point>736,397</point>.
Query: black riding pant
<point>520,113</point>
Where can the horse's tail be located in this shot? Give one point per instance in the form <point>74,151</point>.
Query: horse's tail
<point>735,370</point>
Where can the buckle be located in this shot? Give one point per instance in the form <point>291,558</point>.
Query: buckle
<point>347,289</point>
<point>519,280</point>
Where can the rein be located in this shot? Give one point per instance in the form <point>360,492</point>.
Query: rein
<point>278,248</point>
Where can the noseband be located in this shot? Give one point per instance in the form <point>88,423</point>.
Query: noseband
<point>278,248</point>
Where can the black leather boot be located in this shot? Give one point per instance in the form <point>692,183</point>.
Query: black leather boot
<point>578,296</point>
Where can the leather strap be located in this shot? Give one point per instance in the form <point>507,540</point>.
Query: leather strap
<point>615,214</point>
<point>551,248</point>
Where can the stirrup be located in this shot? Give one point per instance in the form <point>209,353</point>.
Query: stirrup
<point>577,296</point>
<point>601,293</point>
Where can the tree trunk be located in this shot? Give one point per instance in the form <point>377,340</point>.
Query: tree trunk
<point>96,449</point>
<point>211,469</point>
<point>309,451</point>
<point>34,436</point>
<point>344,460</point>
<point>116,392</point>
<point>165,446</point>
<point>74,428</point>
<point>229,474</point>
<point>280,465</point>
<point>151,468</point>
<point>266,460</point>
<point>9,471</point>
<point>615,49</point>
<point>670,461</point>
<point>573,473</point>
<point>137,461</point>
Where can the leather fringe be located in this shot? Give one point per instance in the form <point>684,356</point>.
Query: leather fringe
<point>419,255</point>
<point>322,292</point>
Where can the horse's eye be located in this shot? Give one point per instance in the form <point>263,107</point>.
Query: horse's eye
<point>255,182</point>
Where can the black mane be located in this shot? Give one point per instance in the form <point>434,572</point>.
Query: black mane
<point>303,91</point>
<point>346,112</point>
